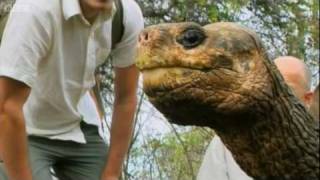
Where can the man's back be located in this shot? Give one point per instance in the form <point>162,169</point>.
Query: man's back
<point>219,164</point>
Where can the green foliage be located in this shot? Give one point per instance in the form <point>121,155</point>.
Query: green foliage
<point>180,157</point>
<point>5,7</point>
<point>176,156</point>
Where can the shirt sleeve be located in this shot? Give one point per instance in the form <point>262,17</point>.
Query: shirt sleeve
<point>213,165</point>
<point>125,51</point>
<point>218,163</point>
<point>25,42</point>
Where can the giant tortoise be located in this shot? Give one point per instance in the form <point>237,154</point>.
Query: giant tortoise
<point>220,76</point>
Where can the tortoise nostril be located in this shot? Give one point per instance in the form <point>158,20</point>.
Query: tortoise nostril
<point>144,37</point>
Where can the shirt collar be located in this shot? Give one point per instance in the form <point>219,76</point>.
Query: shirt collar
<point>107,14</point>
<point>72,8</point>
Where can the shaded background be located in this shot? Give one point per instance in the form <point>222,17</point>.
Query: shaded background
<point>161,151</point>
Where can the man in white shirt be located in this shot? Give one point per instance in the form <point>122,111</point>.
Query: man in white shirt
<point>298,76</point>
<point>48,55</point>
<point>218,162</point>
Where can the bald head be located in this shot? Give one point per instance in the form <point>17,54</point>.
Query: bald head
<point>297,75</point>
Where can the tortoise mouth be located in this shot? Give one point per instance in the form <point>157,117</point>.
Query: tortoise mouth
<point>178,67</point>
<point>147,62</point>
<point>160,80</point>
<point>154,70</point>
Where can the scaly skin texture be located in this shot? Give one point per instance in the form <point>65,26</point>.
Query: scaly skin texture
<point>225,81</point>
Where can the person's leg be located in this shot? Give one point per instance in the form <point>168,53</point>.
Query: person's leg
<point>2,172</point>
<point>42,156</point>
<point>83,161</point>
<point>40,160</point>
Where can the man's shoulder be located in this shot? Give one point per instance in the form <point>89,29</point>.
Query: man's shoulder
<point>131,11</point>
<point>132,19</point>
<point>39,6</point>
<point>133,5</point>
<point>217,141</point>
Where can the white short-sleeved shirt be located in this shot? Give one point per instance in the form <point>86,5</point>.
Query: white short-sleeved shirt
<point>53,49</point>
<point>218,163</point>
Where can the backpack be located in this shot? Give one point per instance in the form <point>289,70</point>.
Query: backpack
<point>3,20</point>
<point>117,33</point>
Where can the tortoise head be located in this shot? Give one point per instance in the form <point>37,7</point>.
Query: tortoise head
<point>202,75</point>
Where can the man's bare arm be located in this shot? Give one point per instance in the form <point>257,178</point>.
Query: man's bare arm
<point>13,141</point>
<point>126,81</point>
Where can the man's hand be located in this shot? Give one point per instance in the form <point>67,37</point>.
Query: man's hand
<point>13,140</point>
<point>111,172</point>
<point>126,80</point>
<point>109,177</point>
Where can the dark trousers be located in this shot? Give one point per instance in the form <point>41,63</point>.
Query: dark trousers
<point>69,160</point>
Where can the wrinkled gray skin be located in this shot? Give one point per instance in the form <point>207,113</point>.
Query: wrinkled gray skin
<point>222,78</point>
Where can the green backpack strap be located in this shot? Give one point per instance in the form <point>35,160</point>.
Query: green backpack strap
<point>3,21</point>
<point>117,33</point>
<point>117,24</point>
<point>6,6</point>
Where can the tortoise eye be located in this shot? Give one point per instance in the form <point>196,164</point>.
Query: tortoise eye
<point>191,38</point>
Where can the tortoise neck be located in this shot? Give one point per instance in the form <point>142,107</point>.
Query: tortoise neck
<point>281,138</point>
